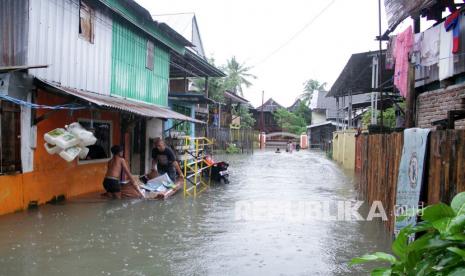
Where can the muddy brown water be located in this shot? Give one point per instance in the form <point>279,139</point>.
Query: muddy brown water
<point>208,235</point>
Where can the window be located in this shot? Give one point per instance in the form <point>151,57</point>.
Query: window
<point>103,132</point>
<point>10,137</point>
<point>179,125</point>
<point>149,55</point>
<point>86,22</point>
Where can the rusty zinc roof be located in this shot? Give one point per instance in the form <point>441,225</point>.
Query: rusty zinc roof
<point>122,104</point>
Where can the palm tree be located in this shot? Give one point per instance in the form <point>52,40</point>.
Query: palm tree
<point>238,76</point>
<point>310,86</point>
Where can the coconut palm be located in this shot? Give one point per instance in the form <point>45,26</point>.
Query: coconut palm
<point>310,86</point>
<point>238,76</point>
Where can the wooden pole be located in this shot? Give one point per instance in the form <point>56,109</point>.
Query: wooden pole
<point>380,66</point>
<point>261,114</point>
<point>261,121</point>
<point>411,96</point>
<point>410,100</point>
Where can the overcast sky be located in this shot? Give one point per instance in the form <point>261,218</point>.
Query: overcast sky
<point>254,30</point>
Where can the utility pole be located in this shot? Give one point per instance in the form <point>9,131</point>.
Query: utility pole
<point>262,122</point>
<point>262,130</point>
<point>380,64</point>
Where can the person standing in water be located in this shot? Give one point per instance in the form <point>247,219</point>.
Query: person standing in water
<point>116,165</point>
<point>164,160</point>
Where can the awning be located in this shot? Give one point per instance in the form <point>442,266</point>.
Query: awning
<point>398,10</point>
<point>122,104</point>
<point>356,77</point>
<point>326,123</point>
<point>235,98</point>
<point>190,97</point>
<point>191,65</point>
<point>20,68</point>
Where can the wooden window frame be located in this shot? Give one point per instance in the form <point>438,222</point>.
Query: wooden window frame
<point>85,7</point>
<point>14,136</point>
<point>103,160</point>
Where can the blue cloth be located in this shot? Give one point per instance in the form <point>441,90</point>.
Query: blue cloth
<point>410,174</point>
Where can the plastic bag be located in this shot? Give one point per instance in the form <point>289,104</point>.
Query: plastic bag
<point>51,136</point>
<point>70,154</point>
<point>159,184</point>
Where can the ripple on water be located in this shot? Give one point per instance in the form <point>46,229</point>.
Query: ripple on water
<point>184,236</point>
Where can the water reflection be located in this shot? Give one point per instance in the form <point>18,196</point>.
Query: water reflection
<point>185,236</point>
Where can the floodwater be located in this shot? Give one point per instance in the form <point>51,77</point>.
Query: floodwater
<point>268,234</point>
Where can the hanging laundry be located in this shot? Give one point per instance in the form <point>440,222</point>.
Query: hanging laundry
<point>390,61</point>
<point>404,43</point>
<point>415,56</point>
<point>429,46</point>
<point>452,23</point>
<point>446,58</point>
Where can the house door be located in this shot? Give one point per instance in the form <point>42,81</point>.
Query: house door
<point>138,144</point>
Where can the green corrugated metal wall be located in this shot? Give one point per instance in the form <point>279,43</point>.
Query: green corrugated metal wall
<point>123,7</point>
<point>129,76</point>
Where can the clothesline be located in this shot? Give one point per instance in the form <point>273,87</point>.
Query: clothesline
<point>41,106</point>
<point>444,58</point>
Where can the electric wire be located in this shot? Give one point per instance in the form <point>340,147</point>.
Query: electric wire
<point>300,31</point>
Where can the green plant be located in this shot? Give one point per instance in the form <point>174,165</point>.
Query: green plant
<point>247,119</point>
<point>232,149</point>
<point>290,122</point>
<point>304,111</point>
<point>389,116</point>
<point>310,86</point>
<point>238,76</point>
<point>439,249</point>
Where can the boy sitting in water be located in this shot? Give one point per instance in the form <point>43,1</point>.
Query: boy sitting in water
<point>111,183</point>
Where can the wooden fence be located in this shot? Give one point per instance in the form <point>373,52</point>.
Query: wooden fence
<point>243,138</point>
<point>380,155</point>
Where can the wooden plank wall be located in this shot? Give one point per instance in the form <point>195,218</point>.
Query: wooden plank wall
<point>380,156</point>
<point>446,174</point>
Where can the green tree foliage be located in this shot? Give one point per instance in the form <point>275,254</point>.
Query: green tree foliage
<point>304,112</point>
<point>290,122</point>
<point>238,76</point>
<point>389,116</point>
<point>247,120</point>
<point>438,250</point>
<point>216,86</point>
<point>311,86</point>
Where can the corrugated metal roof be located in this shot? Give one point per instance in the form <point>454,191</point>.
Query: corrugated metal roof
<point>139,108</point>
<point>398,10</point>
<point>235,98</point>
<point>20,68</point>
<point>190,97</point>
<point>186,25</point>
<point>357,76</point>
<point>326,123</point>
<point>270,106</point>
<point>192,65</point>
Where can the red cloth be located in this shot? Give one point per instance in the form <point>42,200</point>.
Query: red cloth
<point>452,22</point>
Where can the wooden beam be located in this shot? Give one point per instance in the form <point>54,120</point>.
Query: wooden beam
<point>410,101</point>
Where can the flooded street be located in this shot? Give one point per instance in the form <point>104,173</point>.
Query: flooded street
<point>201,236</point>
